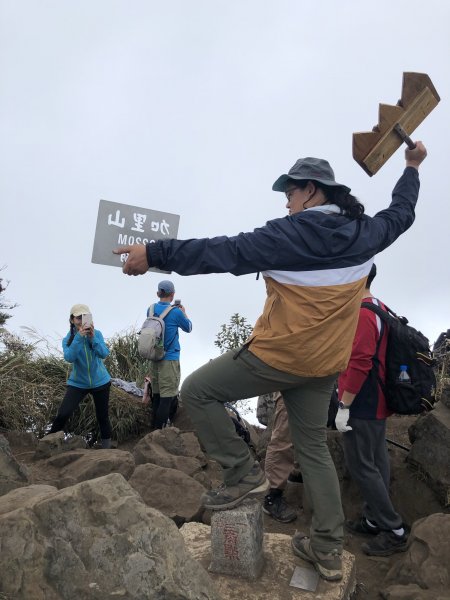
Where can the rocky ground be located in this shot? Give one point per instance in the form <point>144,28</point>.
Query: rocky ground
<point>412,497</point>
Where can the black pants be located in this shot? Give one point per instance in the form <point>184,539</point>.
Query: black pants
<point>71,401</point>
<point>367,460</point>
<point>163,409</point>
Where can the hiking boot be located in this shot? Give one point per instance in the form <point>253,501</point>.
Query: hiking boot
<point>227,496</point>
<point>276,507</point>
<point>327,564</point>
<point>385,544</point>
<point>362,527</point>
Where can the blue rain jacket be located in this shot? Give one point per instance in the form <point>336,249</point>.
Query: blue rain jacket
<point>86,355</point>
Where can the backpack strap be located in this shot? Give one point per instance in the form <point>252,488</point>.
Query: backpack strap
<point>387,315</point>
<point>151,311</point>
<point>385,318</point>
<point>165,312</point>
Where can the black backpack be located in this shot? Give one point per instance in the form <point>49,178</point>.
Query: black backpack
<point>406,346</point>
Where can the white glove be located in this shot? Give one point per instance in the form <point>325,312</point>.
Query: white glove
<point>342,417</point>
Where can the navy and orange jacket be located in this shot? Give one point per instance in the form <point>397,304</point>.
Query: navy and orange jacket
<point>315,264</point>
<point>367,364</point>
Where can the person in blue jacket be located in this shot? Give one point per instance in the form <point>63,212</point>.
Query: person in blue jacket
<point>165,374</point>
<point>85,348</point>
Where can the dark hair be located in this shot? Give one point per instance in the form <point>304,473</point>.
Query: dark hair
<point>371,276</point>
<point>72,331</point>
<point>163,294</point>
<point>336,195</point>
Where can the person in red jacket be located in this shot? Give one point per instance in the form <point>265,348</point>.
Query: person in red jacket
<point>361,418</point>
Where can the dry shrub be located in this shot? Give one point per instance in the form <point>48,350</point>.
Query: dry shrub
<point>124,360</point>
<point>32,386</point>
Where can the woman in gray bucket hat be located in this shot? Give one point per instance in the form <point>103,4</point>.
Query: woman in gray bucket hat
<point>315,263</point>
<point>316,175</point>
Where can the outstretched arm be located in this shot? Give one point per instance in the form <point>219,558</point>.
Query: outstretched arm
<point>391,222</point>
<point>281,243</point>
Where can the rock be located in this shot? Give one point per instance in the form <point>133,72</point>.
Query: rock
<point>179,443</point>
<point>55,443</point>
<point>182,419</point>
<point>12,473</point>
<point>237,541</point>
<point>265,408</point>
<point>23,497</point>
<point>409,592</point>
<point>430,452</point>
<point>173,493</point>
<point>65,458</point>
<point>425,565</point>
<point>95,540</point>
<point>23,439</point>
<point>50,444</point>
<point>147,451</point>
<point>254,434</point>
<point>279,567</point>
<point>445,395</point>
<point>96,463</point>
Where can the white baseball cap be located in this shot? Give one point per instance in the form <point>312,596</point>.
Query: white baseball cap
<point>79,309</point>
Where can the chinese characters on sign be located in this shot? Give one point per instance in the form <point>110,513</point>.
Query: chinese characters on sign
<point>230,543</point>
<point>139,220</point>
<point>123,225</point>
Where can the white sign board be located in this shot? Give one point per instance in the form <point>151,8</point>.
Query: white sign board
<point>123,225</point>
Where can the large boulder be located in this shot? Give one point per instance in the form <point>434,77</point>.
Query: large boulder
<point>179,443</point>
<point>68,468</point>
<point>430,452</point>
<point>12,473</point>
<point>172,449</point>
<point>94,540</point>
<point>423,572</point>
<point>24,497</point>
<point>172,492</point>
<point>89,464</point>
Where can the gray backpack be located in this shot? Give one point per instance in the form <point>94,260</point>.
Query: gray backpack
<point>151,337</point>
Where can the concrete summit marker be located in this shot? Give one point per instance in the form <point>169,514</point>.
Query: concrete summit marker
<point>237,541</point>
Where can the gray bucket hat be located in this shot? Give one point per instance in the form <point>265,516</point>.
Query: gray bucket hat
<point>315,169</point>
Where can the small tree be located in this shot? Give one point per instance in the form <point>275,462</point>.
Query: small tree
<point>234,334</point>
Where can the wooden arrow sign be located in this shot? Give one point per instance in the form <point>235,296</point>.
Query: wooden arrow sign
<point>372,149</point>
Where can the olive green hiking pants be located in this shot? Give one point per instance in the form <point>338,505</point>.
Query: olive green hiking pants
<point>239,375</point>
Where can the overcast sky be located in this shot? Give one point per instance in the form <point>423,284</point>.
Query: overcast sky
<point>195,108</point>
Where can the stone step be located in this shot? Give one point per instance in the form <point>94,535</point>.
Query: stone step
<point>279,565</point>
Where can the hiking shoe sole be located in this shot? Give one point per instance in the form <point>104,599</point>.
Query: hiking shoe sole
<point>324,572</point>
